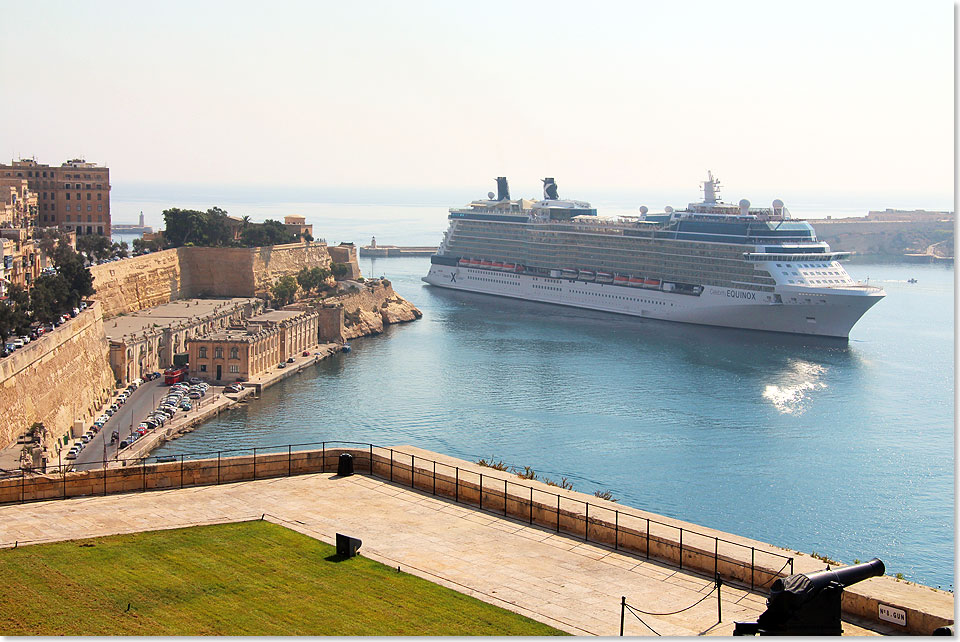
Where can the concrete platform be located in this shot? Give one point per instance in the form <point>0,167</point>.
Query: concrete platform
<point>559,580</point>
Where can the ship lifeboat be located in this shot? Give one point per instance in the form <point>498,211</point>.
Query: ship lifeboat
<point>475,262</point>
<point>620,280</point>
<point>569,274</point>
<point>497,265</point>
<point>485,263</point>
<point>463,262</point>
<point>509,267</point>
<point>651,283</point>
<point>635,282</point>
<point>586,275</point>
<point>604,277</point>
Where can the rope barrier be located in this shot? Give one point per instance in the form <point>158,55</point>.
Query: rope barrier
<point>681,610</point>
<point>776,576</point>
<point>641,621</point>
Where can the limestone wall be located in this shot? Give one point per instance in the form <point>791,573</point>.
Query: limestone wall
<point>367,310</point>
<point>138,282</point>
<point>63,376</point>
<point>145,281</point>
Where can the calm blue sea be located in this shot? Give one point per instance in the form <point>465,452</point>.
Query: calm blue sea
<point>843,450</point>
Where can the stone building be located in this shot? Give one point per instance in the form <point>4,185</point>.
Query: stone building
<point>20,258</point>
<point>238,353</point>
<point>74,196</point>
<point>148,340</point>
<point>18,204</point>
<point>298,225</point>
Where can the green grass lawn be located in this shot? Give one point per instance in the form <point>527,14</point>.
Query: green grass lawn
<point>251,578</point>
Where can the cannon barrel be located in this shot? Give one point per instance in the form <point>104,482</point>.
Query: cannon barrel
<point>842,576</point>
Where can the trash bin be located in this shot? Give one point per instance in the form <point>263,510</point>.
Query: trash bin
<point>345,465</point>
<point>347,546</point>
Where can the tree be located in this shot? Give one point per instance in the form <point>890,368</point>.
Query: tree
<point>78,278</point>
<point>284,290</point>
<point>119,250</point>
<point>339,270</point>
<point>142,247</point>
<point>95,247</point>
<point>312,278</point>
<point>50,297</point>
<point>269,232</point>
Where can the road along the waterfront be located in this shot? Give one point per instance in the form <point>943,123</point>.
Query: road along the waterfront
<point>141,403</point>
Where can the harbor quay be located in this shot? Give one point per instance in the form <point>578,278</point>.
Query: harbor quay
<point>539,550</point>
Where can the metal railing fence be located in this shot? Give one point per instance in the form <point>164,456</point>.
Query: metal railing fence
<point>495,492</point>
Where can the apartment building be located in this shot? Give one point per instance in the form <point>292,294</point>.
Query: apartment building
<point>74,196</point>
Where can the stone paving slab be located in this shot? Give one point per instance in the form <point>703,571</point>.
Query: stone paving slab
<point>559,580</point>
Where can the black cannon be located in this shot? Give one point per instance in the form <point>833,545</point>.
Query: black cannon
<point>808,604</point>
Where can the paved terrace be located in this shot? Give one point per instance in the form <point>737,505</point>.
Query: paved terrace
<point>556,579</point>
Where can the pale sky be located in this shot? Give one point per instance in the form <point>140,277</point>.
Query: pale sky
<point>838,95</point>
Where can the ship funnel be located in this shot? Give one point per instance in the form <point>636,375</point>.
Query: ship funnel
<point>643,210</point>
<point>744,207</point>
<point>550,190</point>
<point>778,207</point>
<point>503,190</point>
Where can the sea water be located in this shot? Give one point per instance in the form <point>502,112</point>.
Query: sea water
<point>846,450</point>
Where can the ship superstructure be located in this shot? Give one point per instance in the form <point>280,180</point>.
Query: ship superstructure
<point>712,263</point>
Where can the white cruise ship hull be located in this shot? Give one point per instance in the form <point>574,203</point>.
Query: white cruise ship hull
<point>809,311</point>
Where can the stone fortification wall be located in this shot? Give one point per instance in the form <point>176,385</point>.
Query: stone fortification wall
<point>146,281</point>
<point>374,305</point>
<point>271,263</point>
<point>63,376</point>
<point>882,237</point>
<point>137,283</point>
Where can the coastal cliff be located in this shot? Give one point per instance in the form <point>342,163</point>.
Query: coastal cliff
<point>371,306</point>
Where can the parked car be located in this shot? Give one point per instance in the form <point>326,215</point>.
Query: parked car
<point>291,360</point>
<point>72,454</point>
<point>281,365</point>
<point>185,405</point>
<point>306,353</point>
<point>123,443</point>
<point>195,395</point>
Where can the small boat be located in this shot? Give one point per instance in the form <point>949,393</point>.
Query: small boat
<point>586,275</point>
<point>911,280</point>
<point>485,263</point>
<point>509,267</point>
<point>651,283</point>
<point>568,274</point>
<point>474,262</point>
<point>604,277</point>
<point>346,347</point>
<point>635,282</point>
<point>497,265</point>
<point>463,262</point>
<point>620,279</point>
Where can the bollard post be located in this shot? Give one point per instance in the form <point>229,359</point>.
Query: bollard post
<point>719,611</point>
<point>623,608</point>
<point>791,566</point>
<point>681,549</point>
<point>648,538</point>
<point>558,513</point>
<point>716,556</point>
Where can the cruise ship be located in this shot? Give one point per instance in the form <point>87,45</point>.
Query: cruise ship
<point>713,263</point>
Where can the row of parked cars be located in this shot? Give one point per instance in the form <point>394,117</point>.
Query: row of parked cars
<point>101,421</point>
<point>180,397</point>
<point>37,330</point>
